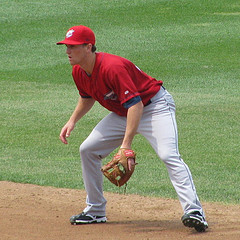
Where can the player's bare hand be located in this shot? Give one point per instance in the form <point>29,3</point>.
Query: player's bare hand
<point>65,132</point>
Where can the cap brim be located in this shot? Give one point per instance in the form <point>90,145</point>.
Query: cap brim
<point>70,42</point>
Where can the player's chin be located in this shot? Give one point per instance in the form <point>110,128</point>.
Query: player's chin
<point>72,63</point>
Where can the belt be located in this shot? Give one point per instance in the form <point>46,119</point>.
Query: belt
<point>149,101</point>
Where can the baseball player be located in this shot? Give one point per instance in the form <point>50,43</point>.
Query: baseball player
<point>138,104</point>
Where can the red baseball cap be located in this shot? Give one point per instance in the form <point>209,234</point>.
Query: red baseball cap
<point>78,35</point>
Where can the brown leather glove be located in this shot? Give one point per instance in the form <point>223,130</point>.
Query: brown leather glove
<point>117,170</point>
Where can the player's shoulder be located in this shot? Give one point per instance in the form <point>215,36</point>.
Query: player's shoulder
<point>114,58</point>
<point>111,62</point>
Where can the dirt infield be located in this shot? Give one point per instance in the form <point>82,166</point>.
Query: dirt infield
<point>33,212</point>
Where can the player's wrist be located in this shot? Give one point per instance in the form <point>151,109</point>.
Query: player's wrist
<point>125,147</point>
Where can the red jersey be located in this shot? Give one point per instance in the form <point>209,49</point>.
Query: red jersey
<point>114,81</point>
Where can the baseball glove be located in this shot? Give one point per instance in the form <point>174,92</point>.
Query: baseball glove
<point>117,170</point>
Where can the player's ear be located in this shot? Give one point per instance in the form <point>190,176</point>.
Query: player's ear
<point>89,47</point>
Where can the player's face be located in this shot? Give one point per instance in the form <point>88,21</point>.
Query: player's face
<point>76,54</point>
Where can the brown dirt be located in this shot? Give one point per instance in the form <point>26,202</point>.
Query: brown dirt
<point>33,212</point>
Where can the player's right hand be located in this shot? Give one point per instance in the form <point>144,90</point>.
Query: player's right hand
<point>65,132</point>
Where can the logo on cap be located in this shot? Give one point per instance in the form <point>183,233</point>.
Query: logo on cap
<point>69,33</point>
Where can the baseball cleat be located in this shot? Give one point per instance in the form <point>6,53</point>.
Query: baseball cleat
<point>195,220</point>
<point>84,218</point>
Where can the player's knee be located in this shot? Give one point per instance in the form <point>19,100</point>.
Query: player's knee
<point>84,148</point>
<point>170,158</point>
<point>165,156</point>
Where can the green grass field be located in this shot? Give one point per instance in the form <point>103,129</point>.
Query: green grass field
<point>192,45</point>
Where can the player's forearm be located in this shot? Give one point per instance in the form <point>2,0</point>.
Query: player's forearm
<point>83,106</point>
<point>133,119</point>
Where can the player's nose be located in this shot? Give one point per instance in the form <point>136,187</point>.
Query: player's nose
<point>68,50</point>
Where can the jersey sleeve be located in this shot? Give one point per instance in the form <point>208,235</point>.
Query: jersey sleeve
<point>132,102</point>
<point>123,85</point>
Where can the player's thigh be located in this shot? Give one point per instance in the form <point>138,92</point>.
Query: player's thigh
<point>106,136</point>
<point>160,129</point>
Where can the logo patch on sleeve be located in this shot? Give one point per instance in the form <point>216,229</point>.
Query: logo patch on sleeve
<point>110,96</point>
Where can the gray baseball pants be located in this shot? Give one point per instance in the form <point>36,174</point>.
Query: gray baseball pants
<point>158,126</point>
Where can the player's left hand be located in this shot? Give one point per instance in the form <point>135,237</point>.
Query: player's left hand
<point>121,167</point>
